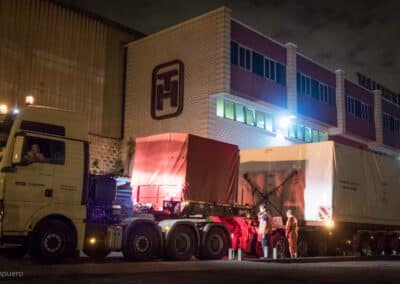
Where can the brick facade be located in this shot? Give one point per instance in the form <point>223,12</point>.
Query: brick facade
<point>105,154</point>
<point>201,44</point>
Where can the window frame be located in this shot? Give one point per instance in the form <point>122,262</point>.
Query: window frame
<point>225,109</point>
<point>50,160</point>
<point>257,115</point>
<point>253,111</point>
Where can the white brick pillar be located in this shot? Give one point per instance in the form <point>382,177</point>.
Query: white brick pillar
<point>291,78</point>
<point>378,116</point>
<point>340,102</point>
<point>222,52</point>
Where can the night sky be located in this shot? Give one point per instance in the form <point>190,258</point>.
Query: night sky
<point>357,36</point>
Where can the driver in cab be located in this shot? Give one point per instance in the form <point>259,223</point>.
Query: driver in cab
<point>34,155</point>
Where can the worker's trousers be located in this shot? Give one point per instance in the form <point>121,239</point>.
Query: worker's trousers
<point>292,240</point>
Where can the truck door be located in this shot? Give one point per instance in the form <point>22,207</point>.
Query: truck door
<point>30,187</point>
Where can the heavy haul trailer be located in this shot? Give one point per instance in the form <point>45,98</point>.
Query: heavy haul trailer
<point>185,176</point>
<point>346,199</point>
<point>51,207</point>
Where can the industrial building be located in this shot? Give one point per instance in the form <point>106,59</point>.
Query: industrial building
<point>67,59</point>
<point>216,77</point>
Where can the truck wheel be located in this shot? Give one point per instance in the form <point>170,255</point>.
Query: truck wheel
<point>52,241</point>
<point>215,245</point>
<point>280,243</point>
<point>181,244</point>
<point>143,243</point>
<point>302,247</point>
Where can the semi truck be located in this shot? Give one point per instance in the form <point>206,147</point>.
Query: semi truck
<point>52,208</point>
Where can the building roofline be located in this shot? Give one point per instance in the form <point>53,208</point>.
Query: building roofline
<point>315,62</point>
<point>280,44</point>
<point>97,17</point>
<point>258,32</point>
<point>358,85</point>
<point>176,26</point>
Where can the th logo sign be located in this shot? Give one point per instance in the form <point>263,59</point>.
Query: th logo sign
<point>167,90</point>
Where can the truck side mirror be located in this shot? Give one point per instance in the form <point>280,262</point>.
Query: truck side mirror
<point>17,158</point>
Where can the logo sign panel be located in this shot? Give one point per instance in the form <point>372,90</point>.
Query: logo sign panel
<point>167,90</point>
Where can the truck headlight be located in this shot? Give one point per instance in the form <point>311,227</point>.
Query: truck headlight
<point>329,224</point>
<point>92,241</point>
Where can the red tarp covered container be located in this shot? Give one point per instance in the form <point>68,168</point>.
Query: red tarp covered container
<point>180,166</point>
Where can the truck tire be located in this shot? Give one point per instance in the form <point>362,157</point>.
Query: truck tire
<point>215,245</point>
<point>280,243</point>
<point>52,241</point>
<point>303,246</point>
<point>143,243</point>
<point>181,244</point>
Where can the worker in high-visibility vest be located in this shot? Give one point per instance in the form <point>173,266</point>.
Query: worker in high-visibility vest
<point>292,234</point>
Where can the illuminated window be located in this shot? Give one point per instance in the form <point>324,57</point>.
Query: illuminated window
<point>220,107</point>
<point>250,116</point>
<point>260,119</point>
<point>243,114</point>
<point>299,132</point>
<point>269,122</point>
<point>315,135</point>
<point>229,108</point>
<point>239,112</point>
<point>291,132</point>
<point>307,134</point>
<point>323,136</point>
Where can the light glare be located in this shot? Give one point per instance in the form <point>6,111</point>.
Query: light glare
<point>29,100</point>
<point>3,109</point>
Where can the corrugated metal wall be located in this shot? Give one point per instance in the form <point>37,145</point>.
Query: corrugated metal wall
<point>59,56</point>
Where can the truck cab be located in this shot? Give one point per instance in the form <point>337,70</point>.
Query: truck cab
<point>43,177</point>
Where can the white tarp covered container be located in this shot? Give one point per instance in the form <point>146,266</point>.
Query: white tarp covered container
<point>319,181</point>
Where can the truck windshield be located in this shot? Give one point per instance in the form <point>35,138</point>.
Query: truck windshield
<point>6,122</point>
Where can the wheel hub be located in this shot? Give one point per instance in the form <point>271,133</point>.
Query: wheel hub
<point>142,244</point>
<point>215,243</point>
<point>182,243</point>
<point>52,243</point>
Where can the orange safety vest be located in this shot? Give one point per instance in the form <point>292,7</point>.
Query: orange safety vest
<point>291,226</point>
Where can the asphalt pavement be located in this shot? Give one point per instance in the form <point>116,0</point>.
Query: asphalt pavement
<point>114,269</point>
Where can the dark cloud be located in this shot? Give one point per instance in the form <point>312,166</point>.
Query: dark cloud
<point>347,34</point>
